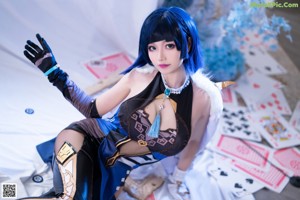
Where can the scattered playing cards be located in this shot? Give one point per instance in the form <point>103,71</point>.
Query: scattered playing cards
<point>251,153</point>
<point>238,183</point>
<point>275,103</point>
<point>275,178</point>
<point>289,158</point>
<point>235,123</point>
<point>229,97</point>
<point>259,59</point>
<point>276,130</point>
<point>254,86</point>
<point>295,119</point>
<point>104,66</point>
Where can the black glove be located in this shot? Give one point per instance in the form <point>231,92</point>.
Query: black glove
<point>42,58</point>
<point>45,61</point>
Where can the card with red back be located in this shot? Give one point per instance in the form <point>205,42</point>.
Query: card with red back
<point>229,96</point>
<point>104,66</point>
<point>250,153</point>
<point>288,158</point>
<point>274,179</point>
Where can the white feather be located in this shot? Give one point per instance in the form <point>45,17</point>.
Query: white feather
<point>212,90</point>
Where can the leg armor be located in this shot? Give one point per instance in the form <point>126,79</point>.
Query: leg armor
<point>72,174</point>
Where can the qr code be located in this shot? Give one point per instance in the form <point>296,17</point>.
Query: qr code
<point>9,190</point>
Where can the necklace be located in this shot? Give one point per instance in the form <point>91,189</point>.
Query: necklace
<point>154,128</point>
<point>170,90</point>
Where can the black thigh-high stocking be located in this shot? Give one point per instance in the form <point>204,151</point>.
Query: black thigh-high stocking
<point>75,165</point>
<point>76,149</point>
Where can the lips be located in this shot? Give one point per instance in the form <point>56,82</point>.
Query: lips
<point>163,65</point>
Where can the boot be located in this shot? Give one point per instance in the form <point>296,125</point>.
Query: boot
<point>72,174</point>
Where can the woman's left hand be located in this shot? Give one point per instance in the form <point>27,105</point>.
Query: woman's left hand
<point>43,57</point>
<point>176,186</point>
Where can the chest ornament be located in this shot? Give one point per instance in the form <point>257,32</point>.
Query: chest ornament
<point>155,127</point>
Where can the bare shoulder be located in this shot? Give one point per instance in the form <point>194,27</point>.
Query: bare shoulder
<point>202,84</point>
<point>139,79</point>
<point>201,101</point>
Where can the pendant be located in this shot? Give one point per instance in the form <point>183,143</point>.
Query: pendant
<point>154,128</point>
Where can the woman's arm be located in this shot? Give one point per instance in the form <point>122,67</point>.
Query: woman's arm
<point>44,59</point>
<point>115,95</point>
<point>200,116</point>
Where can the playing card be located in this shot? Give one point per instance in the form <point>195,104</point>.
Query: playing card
<point>254,86</point>
<point>276,130</point>
<point>275,103</point>
<point>295,119</point>
<point>229,96</point>
<point>104,66</point>
<point>238,183</point>
<point>256,38</point>
<point>289,158</point>
<point>235,123</point>
<point>275,178</point>
<point>258,58</point>
<point>247,152</point>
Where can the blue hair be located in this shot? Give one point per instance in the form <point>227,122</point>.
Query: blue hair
<point>170,24</point>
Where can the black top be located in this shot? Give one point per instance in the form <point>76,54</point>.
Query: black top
<point>134,119</point>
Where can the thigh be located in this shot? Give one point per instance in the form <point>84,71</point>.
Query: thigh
<point>76,132</point>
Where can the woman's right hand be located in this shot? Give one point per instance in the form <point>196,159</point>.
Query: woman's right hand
<point>42,58</point>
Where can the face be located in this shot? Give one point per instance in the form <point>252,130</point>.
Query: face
<point>164,56</point>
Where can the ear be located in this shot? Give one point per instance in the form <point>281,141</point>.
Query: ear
<point>189,43</point>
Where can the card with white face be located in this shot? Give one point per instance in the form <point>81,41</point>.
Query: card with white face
<point>274,178</point>
<point>275,102</point>
<point>238,183</point>
<point>258,58</point>
<point>257,39</point>
<point>295,119</point>
<point>276,130</point>
<point>236,123</point>
<point>254,86</point>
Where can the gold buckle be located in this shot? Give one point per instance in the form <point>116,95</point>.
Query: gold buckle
<point>65,152</point>
<point>142,143</point>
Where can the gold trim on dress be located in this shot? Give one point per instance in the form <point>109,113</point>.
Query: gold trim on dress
<point>111,161</point>
<point>173,103</point>
<point>123,142</point>
<point>65,152</point>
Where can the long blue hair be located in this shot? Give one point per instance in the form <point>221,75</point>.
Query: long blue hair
<point>170,24</point>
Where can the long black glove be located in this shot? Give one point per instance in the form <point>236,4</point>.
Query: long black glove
<point>45,61</point>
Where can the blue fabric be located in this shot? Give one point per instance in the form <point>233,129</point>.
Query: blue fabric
<point>46,149</point>
<point>111,176</point>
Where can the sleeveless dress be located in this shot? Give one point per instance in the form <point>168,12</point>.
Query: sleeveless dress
<point>131,123</point>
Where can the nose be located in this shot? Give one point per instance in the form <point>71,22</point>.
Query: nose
<point>161,55</point>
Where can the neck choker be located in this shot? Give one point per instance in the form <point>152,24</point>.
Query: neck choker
<point>170,90</point>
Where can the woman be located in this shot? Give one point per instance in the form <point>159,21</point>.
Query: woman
<point>165,109</point>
